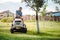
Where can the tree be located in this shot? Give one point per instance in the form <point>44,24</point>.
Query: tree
<point>44,10</point>
<point>35,5</point>
<point>57,1</point>
<point>44,13</point>
<point>57,9</point>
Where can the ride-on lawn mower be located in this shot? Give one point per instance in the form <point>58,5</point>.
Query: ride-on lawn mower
<point>18,26</point>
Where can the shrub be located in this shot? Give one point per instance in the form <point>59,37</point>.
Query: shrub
<point>7,19</point>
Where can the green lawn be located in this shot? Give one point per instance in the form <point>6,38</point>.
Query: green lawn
<point>48,31</point>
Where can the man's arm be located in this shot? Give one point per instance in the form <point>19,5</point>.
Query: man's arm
<point>20,14</point>
<point>17,13</point>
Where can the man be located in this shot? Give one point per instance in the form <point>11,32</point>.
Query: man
<point>19,13</point>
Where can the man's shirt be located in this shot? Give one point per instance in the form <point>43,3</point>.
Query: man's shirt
<point>19,13</point>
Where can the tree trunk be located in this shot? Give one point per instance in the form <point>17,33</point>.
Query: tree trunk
<point>37,22</point>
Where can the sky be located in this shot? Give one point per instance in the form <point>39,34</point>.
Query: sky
<point>2,1</point>
<point>13,5</point>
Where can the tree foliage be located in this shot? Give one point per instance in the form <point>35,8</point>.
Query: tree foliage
<point>34,4</point>
<point>57,9</point>
<point>44,10</point>
<point>57,1</point>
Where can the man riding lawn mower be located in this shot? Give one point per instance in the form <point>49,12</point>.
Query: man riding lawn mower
<point>18,23</point>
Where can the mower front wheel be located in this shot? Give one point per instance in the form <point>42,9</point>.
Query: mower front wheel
<point>12,31</point>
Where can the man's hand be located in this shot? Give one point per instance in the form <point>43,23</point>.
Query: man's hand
<point>17,15</point>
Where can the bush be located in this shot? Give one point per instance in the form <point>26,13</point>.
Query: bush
<point>7,19</point>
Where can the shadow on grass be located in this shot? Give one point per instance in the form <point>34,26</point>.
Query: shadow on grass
<point>10,37</point>
<point>42,34</point>
<point>30,33</point>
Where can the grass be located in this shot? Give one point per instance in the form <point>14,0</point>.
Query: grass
<point>48,31</point>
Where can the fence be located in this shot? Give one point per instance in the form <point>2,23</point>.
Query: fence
<point>53,18</point>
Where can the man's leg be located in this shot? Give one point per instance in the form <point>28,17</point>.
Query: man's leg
<point>22,20</point>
